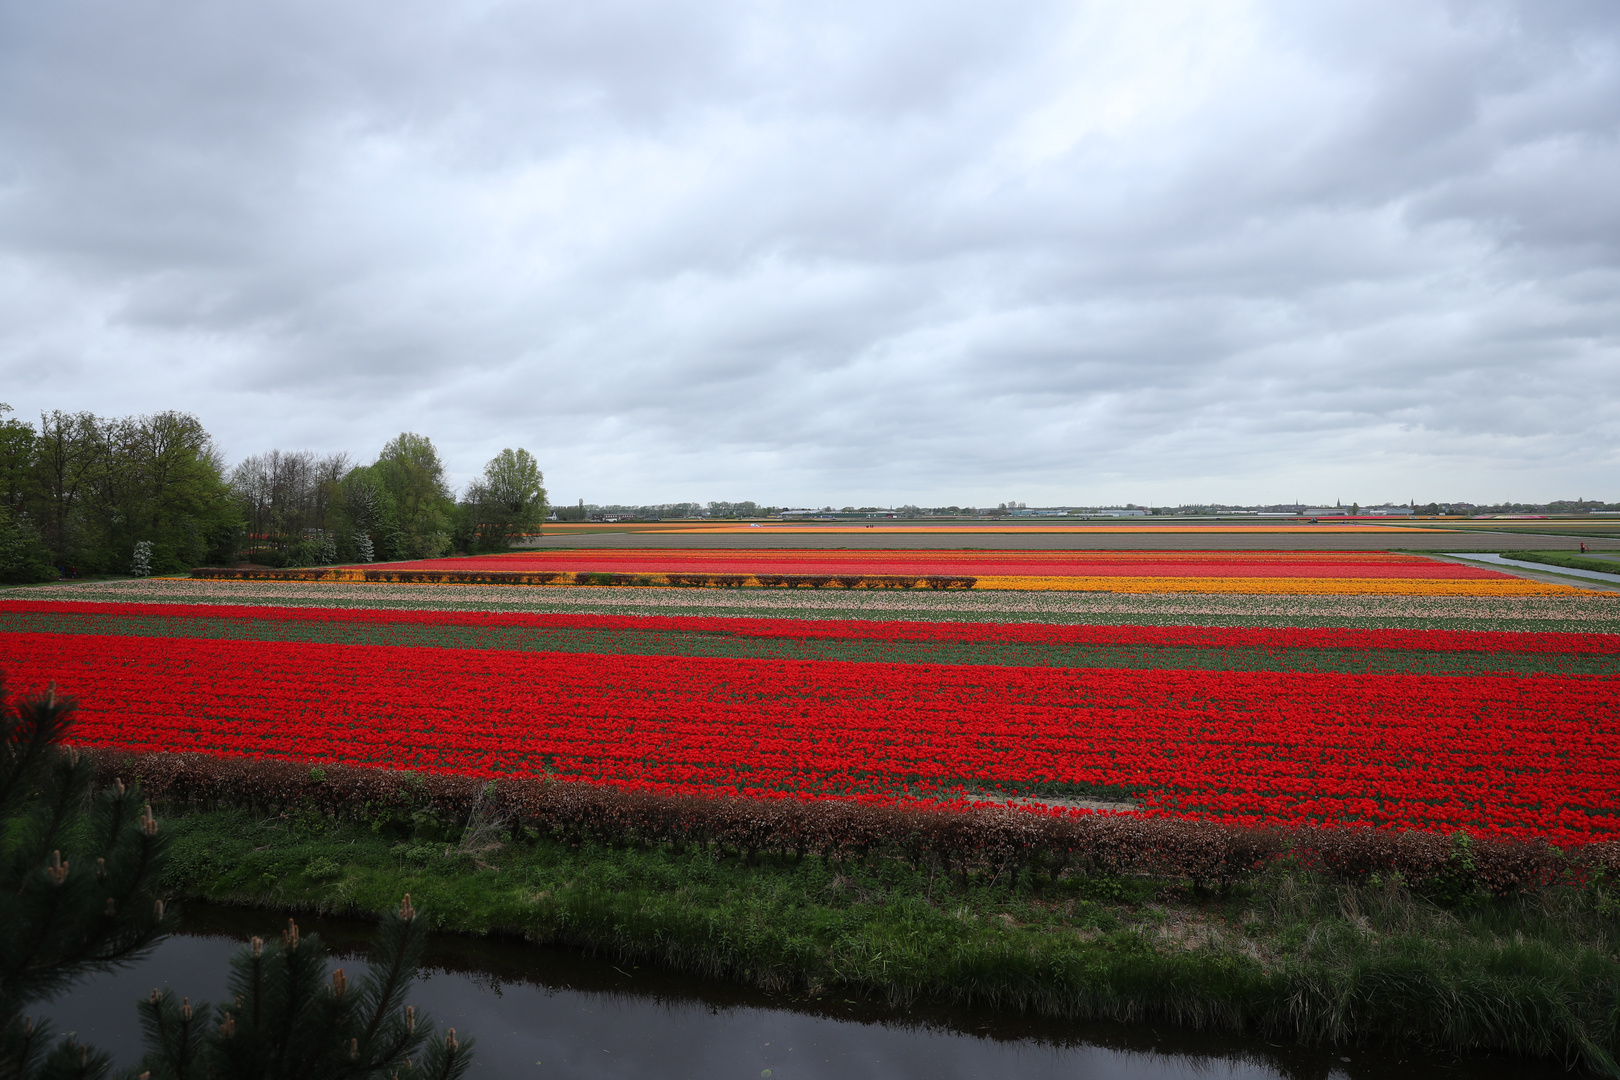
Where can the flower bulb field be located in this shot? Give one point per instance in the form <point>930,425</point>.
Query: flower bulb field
<point>1188,572</point>
<point>1501,727</point>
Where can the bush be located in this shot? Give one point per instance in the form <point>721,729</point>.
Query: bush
<point>24,559</point>
<point>1000,841</point>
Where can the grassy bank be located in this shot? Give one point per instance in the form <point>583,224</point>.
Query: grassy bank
<point>1571,560</point>
<point>1285,954</point>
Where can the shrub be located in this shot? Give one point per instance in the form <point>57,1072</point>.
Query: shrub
<point>999,841</point>
<point>24,559</point>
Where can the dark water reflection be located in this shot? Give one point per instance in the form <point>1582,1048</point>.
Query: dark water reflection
<point>541,1012</point>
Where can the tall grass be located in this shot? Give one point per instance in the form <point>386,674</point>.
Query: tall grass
<point>1290,954</point>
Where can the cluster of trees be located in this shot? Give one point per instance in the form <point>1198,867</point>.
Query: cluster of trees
<point>301,510</point>
<point>81,493</point>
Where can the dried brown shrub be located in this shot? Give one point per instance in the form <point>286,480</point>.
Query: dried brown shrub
<point>1000,841</point>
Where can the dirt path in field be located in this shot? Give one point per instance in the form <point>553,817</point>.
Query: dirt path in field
<point>1067,804</point>
<point>1549,575</point>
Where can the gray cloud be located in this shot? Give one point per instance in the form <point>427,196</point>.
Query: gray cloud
<point>1058,252</point>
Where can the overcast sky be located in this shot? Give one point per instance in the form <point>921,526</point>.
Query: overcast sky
<point>836,252</point>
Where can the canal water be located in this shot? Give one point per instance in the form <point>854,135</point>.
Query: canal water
<point>539,1012</point>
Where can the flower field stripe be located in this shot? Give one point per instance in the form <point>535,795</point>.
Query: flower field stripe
<point>1280,585</point>
<point>1187,564</point>
<point>1286,586</point>
<point>1363,526</point>
<point>44,612</point>
<point>1559,615</point>
<point>1125,572</point>
<point>1515,756</point>
<point>558,636</point>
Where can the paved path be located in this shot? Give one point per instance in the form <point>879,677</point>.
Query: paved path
<point>1545,568</point>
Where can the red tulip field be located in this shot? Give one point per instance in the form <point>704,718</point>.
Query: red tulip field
<point>1508,734</point>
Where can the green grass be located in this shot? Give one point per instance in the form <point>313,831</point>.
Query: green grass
<point>1569,559</point>
<point>724,644</point>
<point>82,578</point>
<point>1290,956</point>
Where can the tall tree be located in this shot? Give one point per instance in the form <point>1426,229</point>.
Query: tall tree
<point>62,463</point>
<point>509,501</point>
<point>367,522</point>
<point>410,469</point>
<point>288,499</point>
<point>16,459</point>
<point>157,478</point>
<point>97,486</point>
<point>23,554</point>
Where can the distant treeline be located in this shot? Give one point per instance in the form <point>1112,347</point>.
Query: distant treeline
<point>86,494</point>
<point>585,511</point>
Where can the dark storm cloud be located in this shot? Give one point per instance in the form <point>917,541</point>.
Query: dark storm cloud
<point>1072,252</point>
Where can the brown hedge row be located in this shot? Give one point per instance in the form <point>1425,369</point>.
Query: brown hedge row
<point>1000,842</point>
<point>584,577</point>
<point>387,577</point>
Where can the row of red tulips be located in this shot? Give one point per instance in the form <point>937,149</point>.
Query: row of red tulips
<point>1513,756</point>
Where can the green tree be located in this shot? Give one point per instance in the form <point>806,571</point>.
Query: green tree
<point>79,875</point>
<point>62,462</point>
<point>16,460</point>
<point>24,558</point>
<point>365,518</point>
<point>410,470</point>
<point>99,486</point>
<point>162,480</point>
<point>507,503</point>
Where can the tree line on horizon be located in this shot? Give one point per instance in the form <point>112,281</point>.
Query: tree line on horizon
<point>87,494</point>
